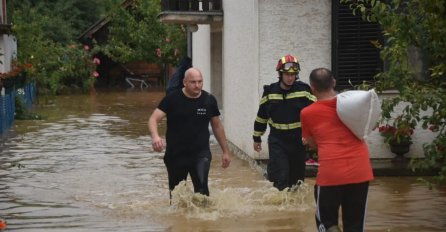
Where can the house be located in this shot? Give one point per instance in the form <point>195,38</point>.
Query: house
<point>237,44</point>
<point>117,74</point>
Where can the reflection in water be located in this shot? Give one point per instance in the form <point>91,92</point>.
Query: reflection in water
<point>89,167</point>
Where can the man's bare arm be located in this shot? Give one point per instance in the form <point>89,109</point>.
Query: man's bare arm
<point>219,132</point>
<point>157,143</point>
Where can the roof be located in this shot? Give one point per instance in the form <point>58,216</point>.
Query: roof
<point>101,23</point>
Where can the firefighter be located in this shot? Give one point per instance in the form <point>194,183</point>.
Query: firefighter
<point>280,108</point>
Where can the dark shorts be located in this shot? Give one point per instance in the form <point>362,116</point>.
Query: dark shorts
<point>351,198</point>
<point>197,167</point>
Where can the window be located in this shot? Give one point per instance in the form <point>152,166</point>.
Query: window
<point>354,58</point>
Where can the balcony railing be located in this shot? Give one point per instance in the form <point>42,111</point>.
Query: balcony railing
<point>191,5</point>
<point>5,25</point>
<point>191,11</point>
<point>5,28</point>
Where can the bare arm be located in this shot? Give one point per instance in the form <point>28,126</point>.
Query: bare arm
<point>154,120</point>
<point>219,132</point>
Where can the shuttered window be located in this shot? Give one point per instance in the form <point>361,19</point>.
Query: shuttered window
<point>354,58</point>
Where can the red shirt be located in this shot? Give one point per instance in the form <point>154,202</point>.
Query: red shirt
<point>343,158</point>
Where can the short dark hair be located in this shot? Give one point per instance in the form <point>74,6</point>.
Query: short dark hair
<point>321,79</point>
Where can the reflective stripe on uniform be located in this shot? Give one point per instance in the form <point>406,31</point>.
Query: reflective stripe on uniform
<point>283,126</point>
<point>261,120</point>
<point>275,96</point>
<point>263,100</point>
<point>258,133</point>
<point>301,94</point>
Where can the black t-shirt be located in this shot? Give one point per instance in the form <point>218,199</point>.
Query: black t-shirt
<point>188,122</point>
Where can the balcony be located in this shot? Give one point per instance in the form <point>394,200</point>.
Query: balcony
<point>5,28</point>
<point>191,11</point>
<point>5,25</point>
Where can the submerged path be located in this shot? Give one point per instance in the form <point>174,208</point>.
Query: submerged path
<point>89,167</point>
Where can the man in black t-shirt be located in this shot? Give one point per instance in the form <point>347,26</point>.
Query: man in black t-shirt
<point>189,111</point>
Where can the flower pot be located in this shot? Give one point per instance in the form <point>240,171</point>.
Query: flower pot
<point>399,149</point>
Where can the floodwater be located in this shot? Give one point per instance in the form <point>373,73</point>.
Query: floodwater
<point>89,166</point>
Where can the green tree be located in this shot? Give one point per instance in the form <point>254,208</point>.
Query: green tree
<point>135,33</point>
<point>66,19</point>
<point>46,32</point>
<point>51,63</point>
<point>415,51</point>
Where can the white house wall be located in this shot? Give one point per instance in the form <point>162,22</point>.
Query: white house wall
<point>255,35</point>
<point>300,28</point>
<point>217,65</point>
<point>241,71</point>
<point>378,149</point>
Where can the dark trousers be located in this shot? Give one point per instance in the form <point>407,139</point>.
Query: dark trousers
<point>352,198</point>
<point>197,168</point>
<point>286,164</point>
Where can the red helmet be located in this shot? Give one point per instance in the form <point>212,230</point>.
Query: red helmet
<point>288,64</point>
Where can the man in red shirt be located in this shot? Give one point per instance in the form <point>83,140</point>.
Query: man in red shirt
<point>345,170</point>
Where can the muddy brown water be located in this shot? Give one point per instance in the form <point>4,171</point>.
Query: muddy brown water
<point>89,166</point>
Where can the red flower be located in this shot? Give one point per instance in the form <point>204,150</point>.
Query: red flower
<point>95,74</point>
<point>96,61</point>
<point>433,128</point>
<point>393,134</point>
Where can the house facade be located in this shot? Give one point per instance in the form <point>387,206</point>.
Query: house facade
<point>239,43</point>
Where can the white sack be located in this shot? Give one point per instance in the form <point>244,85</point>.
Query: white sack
<point>359,110</point>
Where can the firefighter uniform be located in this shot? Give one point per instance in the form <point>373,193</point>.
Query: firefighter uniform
<point>280,109</point>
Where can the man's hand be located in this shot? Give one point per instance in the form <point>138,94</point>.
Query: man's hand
<point>158,144</point>
<point>225,160</point>
<point>257,146</point>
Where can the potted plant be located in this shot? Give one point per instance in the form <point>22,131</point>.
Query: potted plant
<point>398,135</point>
